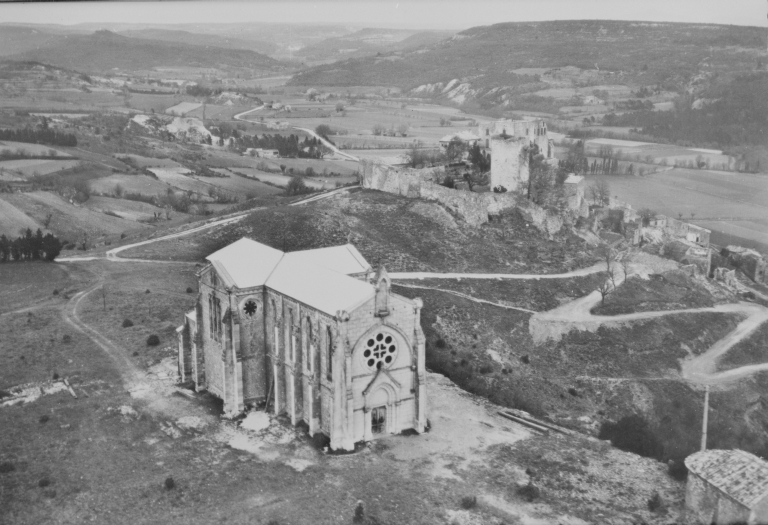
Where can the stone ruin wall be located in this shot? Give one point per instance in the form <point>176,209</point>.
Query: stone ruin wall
<point>473,208</point>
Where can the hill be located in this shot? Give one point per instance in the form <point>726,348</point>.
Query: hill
<point>370,41</point>
<point>105,50</point>
<point>199,39</point>
<point>488,61</point>
<point>16,39</point>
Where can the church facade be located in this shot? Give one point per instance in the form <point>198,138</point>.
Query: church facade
<point>315,335</point>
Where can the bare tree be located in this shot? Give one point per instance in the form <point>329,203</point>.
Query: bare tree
<point>625,266</point>
<point>104,295</point>
<point>606,288</point>
<point>600,192</point>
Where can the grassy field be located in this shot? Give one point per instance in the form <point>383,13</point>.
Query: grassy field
<point>130,183</point>
<point>242,185</point>
<point>14,220</point>
<point>127,209</point>
<point>149,162</point>
<point>68,221</point>
<point>29,167</point>
<point>31,149</point>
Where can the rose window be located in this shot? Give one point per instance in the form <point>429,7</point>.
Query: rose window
<point>380,351</point>
<point>250,308</point>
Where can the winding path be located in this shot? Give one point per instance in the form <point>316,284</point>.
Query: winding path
<point>112,255</point>
<point>701,369</point>
<point>327,144</point>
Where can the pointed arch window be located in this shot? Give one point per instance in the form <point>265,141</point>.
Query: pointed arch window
<point>329,354</point>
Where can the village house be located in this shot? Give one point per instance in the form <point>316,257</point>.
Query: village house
<point>313,335</point>
<point>262,153</point>
<point>726,487</point>
<point>465,137</point>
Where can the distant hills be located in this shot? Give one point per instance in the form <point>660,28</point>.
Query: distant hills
<point>104,50</point>
<point>486,57</point>
<point>199,39</point>
<point>370,41</point>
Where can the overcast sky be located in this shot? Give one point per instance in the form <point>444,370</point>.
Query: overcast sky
<point>430,14</point>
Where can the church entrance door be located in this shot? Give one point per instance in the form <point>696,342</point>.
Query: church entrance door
<point>379,420</point>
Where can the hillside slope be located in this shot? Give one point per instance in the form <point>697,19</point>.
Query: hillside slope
<point>199,39</point>
<point>105,50</point>
<point>486,57</point>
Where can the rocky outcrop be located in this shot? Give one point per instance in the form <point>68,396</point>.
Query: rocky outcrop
<point>473,208</point>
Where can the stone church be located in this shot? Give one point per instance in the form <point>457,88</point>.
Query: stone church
<point>315,335</point>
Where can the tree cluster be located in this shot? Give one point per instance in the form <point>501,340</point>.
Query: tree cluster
<point>39,136</point>
<point>29,247</point>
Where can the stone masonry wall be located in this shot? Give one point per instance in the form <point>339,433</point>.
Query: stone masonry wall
<point>473,208</point>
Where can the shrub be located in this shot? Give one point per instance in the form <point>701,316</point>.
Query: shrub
<point>153,340</point>
<point>189,289</point>
<point>654,502</point>
<point>7,467</point>
<point>67,338</point>
<point>169,483</point>
<point>44,419</point>
<point>320,441</point>
<point>525,359</point>
<point>55,292</point>
<point>147,291</point>
<point>530,491</point>
<point>677,469</point>
<point>573,392</point>
<point>468,502</point>
<point>55,376</point>
<point>440,343</point>
<point>486,369</point>
<point>359,516</point>
<point>44,482</point>
<point>632,434</point>
<point>127,323</point>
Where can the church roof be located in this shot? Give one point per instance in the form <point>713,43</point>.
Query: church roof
<point>245,263</point>
<point>343,259</point>
<point>319,287</point>
<point>318,278</point>
<point>740,475</point>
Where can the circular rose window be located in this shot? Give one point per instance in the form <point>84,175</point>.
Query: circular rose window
<point>380,351</point>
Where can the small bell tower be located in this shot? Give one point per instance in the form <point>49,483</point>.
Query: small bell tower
<point>382,284</point>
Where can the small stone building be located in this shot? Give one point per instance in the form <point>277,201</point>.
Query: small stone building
<point>314,335</point>
<point>726,487</point>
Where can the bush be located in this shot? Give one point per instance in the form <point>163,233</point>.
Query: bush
<point>55,292</point>
<point>469,502</point>
<point>486,369</point>
<point>297,186</point>
<point>127,323</point>
<point>7,467</point>
<point>655,503</point>
<point>169,483</point>
<point>677,469</point>
<point>44,419</point>
<point>632,434</point>
<point>44,482</point>
<point>440,343</point>
<point>530,491</point>
<point>190,290</point>
<point>153,340</point>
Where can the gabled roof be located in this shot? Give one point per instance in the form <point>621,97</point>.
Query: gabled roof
<point>318,278</point>
<point>342,259</point>
<point>318,287</point>
<point>245,263</point>
<point>739,474</point>
<point>573,179</point>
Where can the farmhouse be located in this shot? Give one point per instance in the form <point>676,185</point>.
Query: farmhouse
<point>308,335</point>
<point>466,137</point>
<point>726,486</point>
<point>262,153</point>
